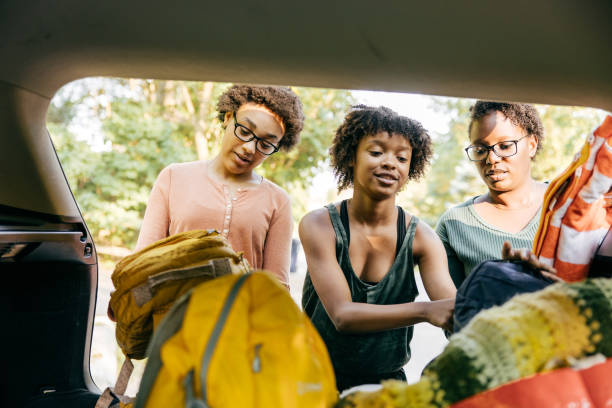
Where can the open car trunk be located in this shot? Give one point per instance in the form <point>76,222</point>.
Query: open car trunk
<point>48,263</point>
<point>548,51</point>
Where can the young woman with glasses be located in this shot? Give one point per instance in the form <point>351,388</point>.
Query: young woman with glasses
<point>504,139</point>
<point>225,193</point>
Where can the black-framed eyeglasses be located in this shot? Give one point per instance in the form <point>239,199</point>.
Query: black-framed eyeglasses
<point>506,148</point>
<point>246,135</point>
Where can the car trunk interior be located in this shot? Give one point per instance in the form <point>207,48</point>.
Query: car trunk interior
<point>49,263</point>
<point>554,52</point>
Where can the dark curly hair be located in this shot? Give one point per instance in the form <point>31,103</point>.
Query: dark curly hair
<point>520,114</point>
<point>280,100</point>
<point>364,121</point>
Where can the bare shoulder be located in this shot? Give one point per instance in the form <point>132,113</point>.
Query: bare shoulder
<point>425,239</point>
<point>316,228</point>
<point>424,231</point>
<point>317,221</point>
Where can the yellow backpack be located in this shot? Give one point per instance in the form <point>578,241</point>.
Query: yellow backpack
<point>237,341</point>
<point>149,281</point>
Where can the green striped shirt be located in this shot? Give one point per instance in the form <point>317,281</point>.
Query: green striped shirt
<point>469,239</point>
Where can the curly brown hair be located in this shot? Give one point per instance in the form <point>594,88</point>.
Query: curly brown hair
<point>364,121</point>
<point>520,114</point>
<point>280,100</point>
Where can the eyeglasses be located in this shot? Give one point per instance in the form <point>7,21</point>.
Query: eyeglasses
<point>246,135</point>
<point>502,149</point>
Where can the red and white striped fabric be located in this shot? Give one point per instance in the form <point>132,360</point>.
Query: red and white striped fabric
<point>577,212</point>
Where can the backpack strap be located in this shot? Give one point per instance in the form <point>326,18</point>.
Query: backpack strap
<point>213,268</point>
<point>190,400</point>
<point>118,391</point>
<point>169,326</point>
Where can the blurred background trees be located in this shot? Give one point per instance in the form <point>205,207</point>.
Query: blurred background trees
<point>113,136</point>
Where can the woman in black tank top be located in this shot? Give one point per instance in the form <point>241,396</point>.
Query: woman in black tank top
<point>360,288</point>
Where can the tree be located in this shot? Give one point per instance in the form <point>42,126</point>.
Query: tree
<point>113,136</point>
<point>566,129</point>
<point>450,178</point>
<point>146,125</point>
<point>324,110</point>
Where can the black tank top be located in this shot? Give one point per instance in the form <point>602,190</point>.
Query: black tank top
<point>367,353</point>
<point>401,225</point>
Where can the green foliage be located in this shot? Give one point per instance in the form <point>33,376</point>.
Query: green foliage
<point>146,125</point>
<point>142,143</point>
<point>566,129</point>
<point>324,110</point>
<point>451,178</point>
<point>137,127</point>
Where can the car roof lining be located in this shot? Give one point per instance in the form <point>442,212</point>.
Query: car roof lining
<point>555,52</point>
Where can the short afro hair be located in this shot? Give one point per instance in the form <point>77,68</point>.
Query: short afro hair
<point>363,121</point>
<point>520,114</point>
<point>280,100</point>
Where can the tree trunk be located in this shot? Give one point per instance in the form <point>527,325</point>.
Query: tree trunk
<point>200,121</point>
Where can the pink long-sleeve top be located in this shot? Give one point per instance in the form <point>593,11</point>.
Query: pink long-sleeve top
<point>256,220</point>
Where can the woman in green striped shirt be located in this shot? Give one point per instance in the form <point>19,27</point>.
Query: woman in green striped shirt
<point>504,139</point>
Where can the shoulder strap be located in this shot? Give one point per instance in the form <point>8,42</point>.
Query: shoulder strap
<point>118,392</point>
<point>412,226</point>
<point>216,333</point>
<point>401,229</point>
<point>341,238</point>
<point>169,326</point>
<point>345,221</point>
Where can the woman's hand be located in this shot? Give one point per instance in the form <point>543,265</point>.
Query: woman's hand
<point>530,259</point>
<point>440,313</point>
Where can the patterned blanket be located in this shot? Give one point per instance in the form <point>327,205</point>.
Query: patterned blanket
<point>577,212</point>
<point>529,334</point>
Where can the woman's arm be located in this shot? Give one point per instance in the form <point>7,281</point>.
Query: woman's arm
<point>429,255</point>
<point>455,266</point>
<point>318,240</point>
<point>277,248</point>
<point>156,221</point>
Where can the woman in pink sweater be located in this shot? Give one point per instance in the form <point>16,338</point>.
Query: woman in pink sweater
<point>225,193</point>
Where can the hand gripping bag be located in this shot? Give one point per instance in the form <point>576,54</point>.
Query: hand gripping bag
<point>237,341</point>
<point>492,283</point>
